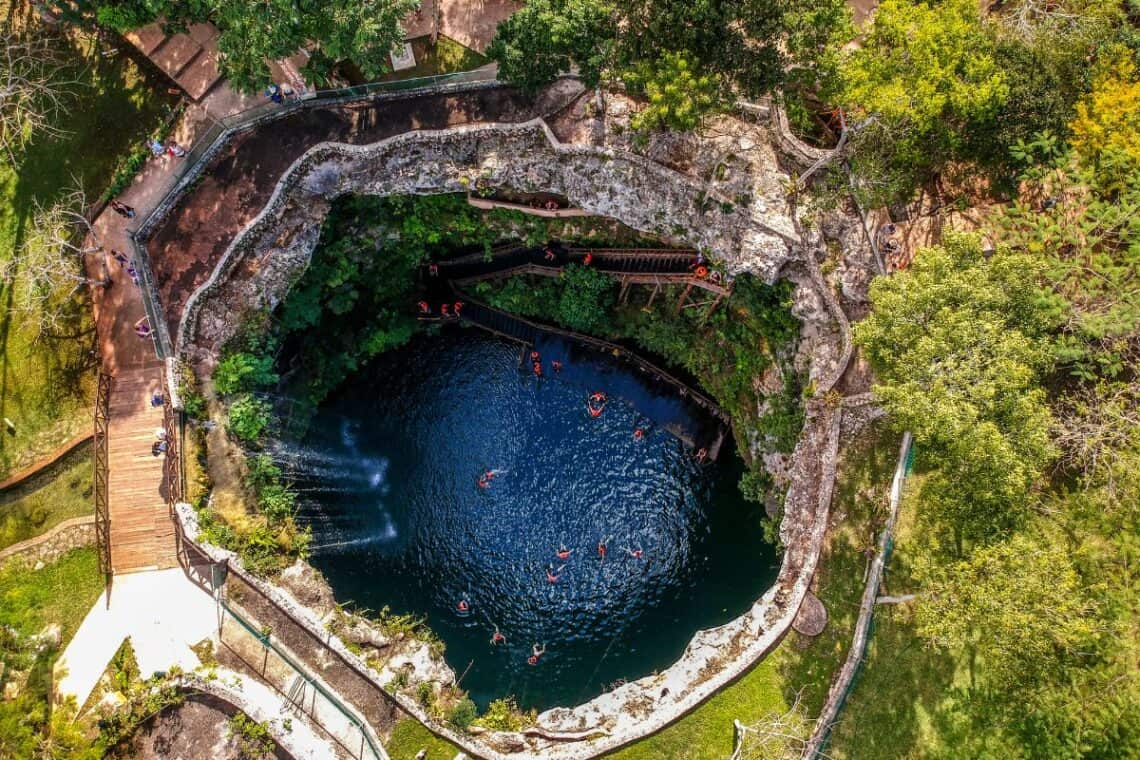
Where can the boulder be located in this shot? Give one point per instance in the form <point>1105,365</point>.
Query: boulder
<point>360,632</point>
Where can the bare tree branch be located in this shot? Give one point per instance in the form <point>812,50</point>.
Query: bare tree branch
<point>52,264</point>
<point>34,88</point>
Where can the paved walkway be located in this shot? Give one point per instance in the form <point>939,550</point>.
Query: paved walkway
<point>163,613</point>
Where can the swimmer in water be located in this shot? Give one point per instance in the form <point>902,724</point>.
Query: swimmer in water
<point>638,434</point>
<point>538,369</point>
<point>563,553</point>
<point>534,356</point>
<point>552,574</point>
<point>602,549</point>
<point>463,606</point>
<point>635,553</point>
<point>483,481</point>
<point>556,365</point>
<point>702,455</point>
<point>497,638</point>
<point>536,651</point>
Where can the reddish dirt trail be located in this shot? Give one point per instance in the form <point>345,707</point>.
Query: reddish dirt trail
<point>187,245</point>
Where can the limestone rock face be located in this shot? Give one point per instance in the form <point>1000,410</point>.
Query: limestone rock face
<point>422,666</point>
<point>308,587</point>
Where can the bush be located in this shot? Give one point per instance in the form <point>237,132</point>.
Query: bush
<point>462,714</point>
<point>248,419</point>
<point>242,372</point>
<point>425,694</point>
<point>504,715</point>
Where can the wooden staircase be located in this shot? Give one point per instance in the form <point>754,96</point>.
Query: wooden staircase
<point>142,531</point>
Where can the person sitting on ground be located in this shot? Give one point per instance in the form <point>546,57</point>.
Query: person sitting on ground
<point>536,651</point>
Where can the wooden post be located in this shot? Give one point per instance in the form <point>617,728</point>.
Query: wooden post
<point>653,295</point>
<point>715,303</point>
<point>623,297</point>
<point>681,301</point>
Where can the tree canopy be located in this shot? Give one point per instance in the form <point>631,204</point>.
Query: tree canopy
<point>364,32</point>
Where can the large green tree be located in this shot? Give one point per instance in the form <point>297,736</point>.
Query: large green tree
<point>546,38</point>
<point>958,344</point>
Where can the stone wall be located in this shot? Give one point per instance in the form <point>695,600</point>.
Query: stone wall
<point>262,263</point>
<point>48,547</point>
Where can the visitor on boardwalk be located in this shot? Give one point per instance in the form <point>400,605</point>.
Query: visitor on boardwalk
<point>122,209</point>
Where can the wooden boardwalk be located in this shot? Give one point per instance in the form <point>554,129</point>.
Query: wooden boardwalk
<point>142,532</point>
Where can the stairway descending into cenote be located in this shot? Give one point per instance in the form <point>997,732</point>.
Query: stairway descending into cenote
<point>653,266</point>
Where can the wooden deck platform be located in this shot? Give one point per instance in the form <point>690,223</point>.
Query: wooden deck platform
<point>142,532</point>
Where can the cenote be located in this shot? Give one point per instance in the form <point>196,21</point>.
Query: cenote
<point>388,481</point>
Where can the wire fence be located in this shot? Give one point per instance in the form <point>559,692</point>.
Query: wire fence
<point>864,626</point>
<point>210,142</point>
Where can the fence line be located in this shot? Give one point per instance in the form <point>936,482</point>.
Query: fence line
<point>841,689</point>
<point>215,138</point>
<point>308,689</point>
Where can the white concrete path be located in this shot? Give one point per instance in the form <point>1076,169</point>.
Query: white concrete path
<point>162,612</point>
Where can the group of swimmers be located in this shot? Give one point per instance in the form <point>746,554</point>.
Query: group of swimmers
<point>446,310</point>
<point>463,607</point>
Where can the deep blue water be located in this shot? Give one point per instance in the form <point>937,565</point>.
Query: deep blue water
<point>388,478</point>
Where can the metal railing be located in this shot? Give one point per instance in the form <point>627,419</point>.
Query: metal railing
<point>207,145</point>
<point>102,473</point>
<point>306,693</point>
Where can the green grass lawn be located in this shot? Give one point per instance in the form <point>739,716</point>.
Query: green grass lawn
<point>409,737</point>
<point>62,593</point>
<point>905,689</point>
<point>46,381</point>
<point>60,493</point>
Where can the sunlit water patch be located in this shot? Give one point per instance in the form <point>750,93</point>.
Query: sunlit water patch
<point>388,477</point>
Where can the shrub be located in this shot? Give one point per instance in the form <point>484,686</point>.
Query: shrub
<point>504,715</point>
<point>242,372</point>
<point>462,714</point>
<point>248,418</point>
<point>425,694</point>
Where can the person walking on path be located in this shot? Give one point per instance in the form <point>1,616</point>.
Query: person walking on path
<point>122,209</point>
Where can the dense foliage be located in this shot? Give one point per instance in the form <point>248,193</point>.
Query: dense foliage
<point>691,56</point>
<point>1017,372</point>
<point>252,35</point>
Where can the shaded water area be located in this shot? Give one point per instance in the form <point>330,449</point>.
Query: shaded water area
<point>388,478</point>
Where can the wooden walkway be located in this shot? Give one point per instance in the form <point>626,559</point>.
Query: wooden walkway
<point>142,532</point>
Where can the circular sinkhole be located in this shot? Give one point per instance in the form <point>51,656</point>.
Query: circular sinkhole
<point>389,473</point>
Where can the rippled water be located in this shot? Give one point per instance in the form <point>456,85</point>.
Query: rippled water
<point>388,474</point>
